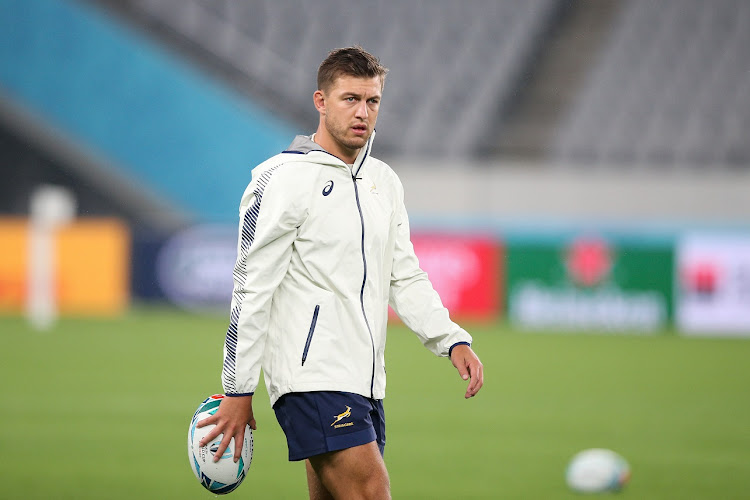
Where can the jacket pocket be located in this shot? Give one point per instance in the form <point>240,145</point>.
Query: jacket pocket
<point>310,334</point>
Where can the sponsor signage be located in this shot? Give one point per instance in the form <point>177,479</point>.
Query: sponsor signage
<point>713,284</point>
<point>589,283</point>
<point>92,266</point>
<point>194,267</point>
<point>14,264</point>
<point>194,270</point>
<point>464,270</point>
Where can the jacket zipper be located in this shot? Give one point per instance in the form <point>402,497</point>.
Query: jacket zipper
<point>310,333</point>
<point>364,277</point>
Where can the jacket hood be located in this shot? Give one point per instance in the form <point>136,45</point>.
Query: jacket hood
<point>303,144</point>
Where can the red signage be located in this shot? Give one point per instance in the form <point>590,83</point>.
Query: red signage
<point>589,261</point>
<point>465,272</point>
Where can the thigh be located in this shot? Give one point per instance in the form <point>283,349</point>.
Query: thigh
<point>353,473</point>
<point>314,486</point>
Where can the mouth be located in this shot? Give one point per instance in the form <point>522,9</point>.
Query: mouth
<point>359,129</point>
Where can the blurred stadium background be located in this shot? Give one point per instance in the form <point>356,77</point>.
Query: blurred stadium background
<point>572,168</point>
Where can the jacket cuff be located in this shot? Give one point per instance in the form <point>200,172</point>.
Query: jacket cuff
<point>240,394</point>
<point>450,351</point>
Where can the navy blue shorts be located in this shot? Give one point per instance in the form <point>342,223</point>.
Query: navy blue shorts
<point>319,422</point>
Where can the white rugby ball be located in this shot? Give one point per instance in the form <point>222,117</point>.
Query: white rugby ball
<point>597,470</point>
<point>225,475</point>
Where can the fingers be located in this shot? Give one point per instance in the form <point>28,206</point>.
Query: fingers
<point>230,420</point>
<point>207,421</point>
<point>477,379</point>
<point>239,439</point>
<point>213,433</point>
<point>469,368</point>
<point>226,439</point>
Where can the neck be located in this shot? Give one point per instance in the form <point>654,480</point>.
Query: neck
<point>327,142</point>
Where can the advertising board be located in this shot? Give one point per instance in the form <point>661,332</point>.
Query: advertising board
<point>194,270</point>
<point>92,266</point>
<point>713,284</point>
<point>589,283</point>
<point>464,270</point>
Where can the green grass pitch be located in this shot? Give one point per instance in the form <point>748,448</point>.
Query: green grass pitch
<point>99,409</point>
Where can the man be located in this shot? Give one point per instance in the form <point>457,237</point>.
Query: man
<point>323,249</point>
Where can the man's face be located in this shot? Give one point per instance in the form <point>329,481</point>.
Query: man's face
<point>350,111</point>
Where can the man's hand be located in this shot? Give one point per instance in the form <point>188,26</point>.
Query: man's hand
<point>469,367</point>
<point>230,419</point>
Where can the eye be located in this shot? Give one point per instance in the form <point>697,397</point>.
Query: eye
<point>349,99</point>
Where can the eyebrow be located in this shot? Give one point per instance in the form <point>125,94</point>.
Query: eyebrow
<point>359,96</point>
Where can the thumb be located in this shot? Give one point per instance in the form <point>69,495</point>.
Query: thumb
<point>462,370</point>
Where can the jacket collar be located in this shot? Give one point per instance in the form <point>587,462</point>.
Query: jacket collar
<point>304,144</point>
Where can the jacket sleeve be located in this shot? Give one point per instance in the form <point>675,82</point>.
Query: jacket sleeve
<point>269,217</point>
<point>414,299</point>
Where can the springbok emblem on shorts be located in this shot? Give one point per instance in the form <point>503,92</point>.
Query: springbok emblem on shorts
<point>341,416</point>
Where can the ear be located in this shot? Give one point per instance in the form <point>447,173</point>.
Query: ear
<point>319,99</point>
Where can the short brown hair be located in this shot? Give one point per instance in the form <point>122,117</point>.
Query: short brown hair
<point>350,61</point>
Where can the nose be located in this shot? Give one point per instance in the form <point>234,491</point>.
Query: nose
<point>361,110</point>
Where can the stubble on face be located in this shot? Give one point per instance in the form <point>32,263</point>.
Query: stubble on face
<point>340,131</point>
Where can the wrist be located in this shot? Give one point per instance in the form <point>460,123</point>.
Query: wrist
<point>450,351</point>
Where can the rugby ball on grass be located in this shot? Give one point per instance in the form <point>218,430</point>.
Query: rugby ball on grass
<point>597,470</point>
<point>225,475</point>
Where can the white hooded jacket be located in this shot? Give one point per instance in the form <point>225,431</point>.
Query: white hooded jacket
<point>323,249</point>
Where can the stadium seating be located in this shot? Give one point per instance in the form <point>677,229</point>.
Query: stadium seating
<point>455,65</point>
<point>670,87</point>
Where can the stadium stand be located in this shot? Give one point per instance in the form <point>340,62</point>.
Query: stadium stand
<point>108,105</point>
<point>455,65</point>
<point>483,83</point>
<point>670,87</point>
<point>553,80</point>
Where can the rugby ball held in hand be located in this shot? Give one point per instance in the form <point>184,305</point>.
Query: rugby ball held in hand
<point>225,475</point>
<point>597,470</point>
